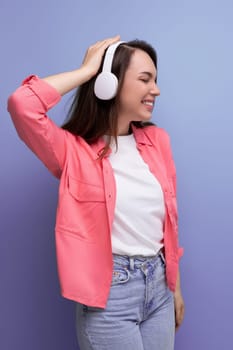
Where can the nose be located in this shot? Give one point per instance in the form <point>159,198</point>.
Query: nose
<point>155,89</point>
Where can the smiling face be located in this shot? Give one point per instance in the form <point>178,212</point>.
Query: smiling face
<point>138,92</point>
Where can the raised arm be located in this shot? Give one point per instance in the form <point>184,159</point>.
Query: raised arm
<point>65,82</point>
<point>29,104</point>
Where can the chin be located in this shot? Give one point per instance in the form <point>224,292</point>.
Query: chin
<point>146,119</point>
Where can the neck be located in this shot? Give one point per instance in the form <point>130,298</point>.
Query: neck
<point>123,128</point>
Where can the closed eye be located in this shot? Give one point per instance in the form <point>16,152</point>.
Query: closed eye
<point>145,80</point>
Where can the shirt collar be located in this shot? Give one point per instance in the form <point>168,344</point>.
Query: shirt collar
<point>140,135</point>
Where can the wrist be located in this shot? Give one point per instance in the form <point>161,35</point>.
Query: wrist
<point>85,72</point>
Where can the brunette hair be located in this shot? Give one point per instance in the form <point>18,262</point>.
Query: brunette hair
<point>90,117</point>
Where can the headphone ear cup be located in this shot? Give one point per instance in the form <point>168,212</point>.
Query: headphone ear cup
<point>105,87</point>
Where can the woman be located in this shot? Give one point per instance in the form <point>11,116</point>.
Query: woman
<point>116,227</point>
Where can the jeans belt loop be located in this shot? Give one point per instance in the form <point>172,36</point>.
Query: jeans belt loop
<point>131,263</point>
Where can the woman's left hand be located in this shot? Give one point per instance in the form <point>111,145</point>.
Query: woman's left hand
<point>179,304</point>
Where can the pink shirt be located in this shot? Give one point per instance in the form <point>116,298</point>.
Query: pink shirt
<point>87,193</point>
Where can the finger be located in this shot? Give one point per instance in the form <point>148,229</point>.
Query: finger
<point>179,317</point>
<point>112,39</point>
<point>178,323</point>
<point>107,42</point>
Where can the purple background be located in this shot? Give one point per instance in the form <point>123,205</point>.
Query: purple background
<point>194,44</point>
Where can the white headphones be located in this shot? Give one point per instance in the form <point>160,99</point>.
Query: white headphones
<point>106,83</point>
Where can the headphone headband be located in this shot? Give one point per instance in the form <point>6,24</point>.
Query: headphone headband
<point>107,65</point>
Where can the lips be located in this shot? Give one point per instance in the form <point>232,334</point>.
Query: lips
<point>148,103</point>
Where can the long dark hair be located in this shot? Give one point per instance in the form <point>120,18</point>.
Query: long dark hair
<point>90,117</point>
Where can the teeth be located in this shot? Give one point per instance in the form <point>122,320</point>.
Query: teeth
<point>148,103</point>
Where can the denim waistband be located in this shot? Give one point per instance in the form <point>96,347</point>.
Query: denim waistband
<point>136,261</point>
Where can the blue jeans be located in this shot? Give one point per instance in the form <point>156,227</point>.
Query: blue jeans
<point>140,310</point>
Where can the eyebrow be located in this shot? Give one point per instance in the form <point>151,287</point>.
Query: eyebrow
<point>149,74</point>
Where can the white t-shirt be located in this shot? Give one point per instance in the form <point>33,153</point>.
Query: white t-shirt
<point>139,213</point>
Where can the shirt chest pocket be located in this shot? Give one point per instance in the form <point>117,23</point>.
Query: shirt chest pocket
<point>85,192</point>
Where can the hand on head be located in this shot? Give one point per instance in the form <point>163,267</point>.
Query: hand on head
<point>94,54</point>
